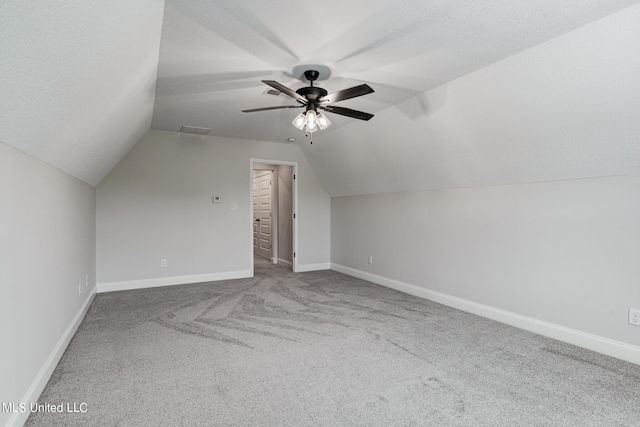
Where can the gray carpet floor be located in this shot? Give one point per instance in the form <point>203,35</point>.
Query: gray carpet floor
<point>322,349</point>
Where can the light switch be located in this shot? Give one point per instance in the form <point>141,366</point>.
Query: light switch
<point>216,199</point>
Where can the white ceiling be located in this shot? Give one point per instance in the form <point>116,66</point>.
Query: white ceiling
<point>78,79</point>
<point>561,110</point>
<point>213,54</point>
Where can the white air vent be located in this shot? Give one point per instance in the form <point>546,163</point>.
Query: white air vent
<point>272,91</point>
<point>194,130</point>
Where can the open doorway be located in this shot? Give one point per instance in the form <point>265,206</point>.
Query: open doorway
<point>274,200</point>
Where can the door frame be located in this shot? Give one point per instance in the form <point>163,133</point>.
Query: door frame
<point>294,204</point>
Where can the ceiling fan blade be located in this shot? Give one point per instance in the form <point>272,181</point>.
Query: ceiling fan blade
<point>282,88</point>
<point>347,112</point>
<point>272,108</point>
<point>347,93</point>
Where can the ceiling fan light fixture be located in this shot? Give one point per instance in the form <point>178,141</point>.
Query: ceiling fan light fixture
<point>312,121</point>
<point>299,121</point>
<point>312,117</point>
<point>312,127</point>
<point>323,121</point>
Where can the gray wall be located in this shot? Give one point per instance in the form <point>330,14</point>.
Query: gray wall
<point>558,257</point>
<point>47,248</point>
<point>156,204</point>
<point>560,252</point>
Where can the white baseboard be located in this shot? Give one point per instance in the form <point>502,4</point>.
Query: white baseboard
<point>613,348</point>
<point>43,376</point>
<point>170,281</point>
<point>285,262</point>
<point>302,268</point>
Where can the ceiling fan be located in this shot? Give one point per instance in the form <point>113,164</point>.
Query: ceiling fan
<point>313,98</point>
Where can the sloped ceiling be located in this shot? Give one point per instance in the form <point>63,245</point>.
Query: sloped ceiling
<point>77,80</point>
<point>564,109</point>
<point>79,89</point>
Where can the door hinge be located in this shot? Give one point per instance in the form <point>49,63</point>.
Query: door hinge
<point>294,254</point>
<point>294,216</point>
<point>294,176</point>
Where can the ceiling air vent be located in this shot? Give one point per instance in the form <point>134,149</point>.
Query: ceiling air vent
<point>273,92</point>
<point>195,130</point>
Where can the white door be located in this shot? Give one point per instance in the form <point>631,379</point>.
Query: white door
<point>262,182</point>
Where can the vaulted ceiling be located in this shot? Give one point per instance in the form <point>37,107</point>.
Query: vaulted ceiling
<point>82,82</point>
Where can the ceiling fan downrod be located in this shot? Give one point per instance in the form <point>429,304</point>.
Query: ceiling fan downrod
<point>311,93</point>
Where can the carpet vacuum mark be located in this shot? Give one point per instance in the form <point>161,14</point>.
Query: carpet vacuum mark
<point>322,349</point>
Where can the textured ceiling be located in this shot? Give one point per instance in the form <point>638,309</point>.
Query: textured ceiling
<point>78,79</point>
<point>564,109</point>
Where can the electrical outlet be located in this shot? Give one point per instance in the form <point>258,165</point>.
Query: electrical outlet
<point>163,263</point>
<point>370,260</point>
<point>634,317</point>
<point>79,289</point>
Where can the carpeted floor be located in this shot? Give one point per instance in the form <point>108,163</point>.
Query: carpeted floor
<point>322,349</point>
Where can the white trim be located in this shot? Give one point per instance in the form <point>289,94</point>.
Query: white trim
<point>171,281</point>
<point>313,267</point>
<point>285,262</point>
<point>603,345</point>
<point>41,380</point>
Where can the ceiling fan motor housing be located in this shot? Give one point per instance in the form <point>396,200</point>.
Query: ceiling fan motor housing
<point>312,93</point>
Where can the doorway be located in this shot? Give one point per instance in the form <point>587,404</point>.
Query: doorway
<point>273,220</point>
